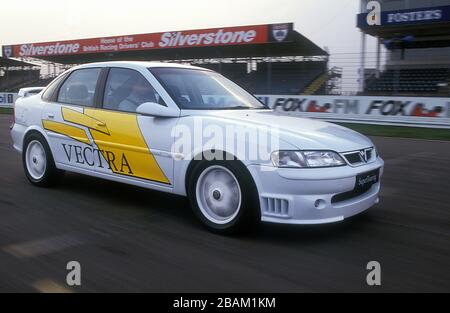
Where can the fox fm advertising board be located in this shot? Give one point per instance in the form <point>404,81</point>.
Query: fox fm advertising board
<point>226,36</point>
<point>430,112</point>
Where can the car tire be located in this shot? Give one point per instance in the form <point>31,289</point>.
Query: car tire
<point>224,196</point>
<point>38,162</point>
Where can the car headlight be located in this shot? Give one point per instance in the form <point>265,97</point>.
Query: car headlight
<point>301,159</point>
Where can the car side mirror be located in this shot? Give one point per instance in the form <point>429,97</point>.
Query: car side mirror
<point>157,110</point>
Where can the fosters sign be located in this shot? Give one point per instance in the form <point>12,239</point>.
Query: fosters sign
<point>377,17</point>
<point>420,111</point>
<point>227,36</point>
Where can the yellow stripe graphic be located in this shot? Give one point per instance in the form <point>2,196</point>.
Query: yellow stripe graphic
<point>124,137</point>
<point>117,136</point>
<point>71,131</point>
<point>82,119</point>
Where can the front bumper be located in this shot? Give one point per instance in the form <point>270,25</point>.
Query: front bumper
<point>304,196</point>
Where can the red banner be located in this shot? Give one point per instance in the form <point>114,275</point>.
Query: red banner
<point>179,39</point>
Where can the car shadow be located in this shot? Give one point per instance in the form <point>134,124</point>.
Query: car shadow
<point>177,208</point>
<point>120,195</point>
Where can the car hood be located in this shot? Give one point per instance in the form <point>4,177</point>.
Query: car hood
<point>303,133</point>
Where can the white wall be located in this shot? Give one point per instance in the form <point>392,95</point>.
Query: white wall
<point>403,111</point>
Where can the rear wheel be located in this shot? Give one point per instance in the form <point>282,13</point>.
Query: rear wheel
<point>223,196</point>
<point>38,162</point>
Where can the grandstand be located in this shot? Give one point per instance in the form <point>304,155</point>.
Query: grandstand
<point>416,35</point>
<point>412,57</point>
<point>15,73</point>
<point>272,59</point>
<point>415,81</point>
<point>284,77</point>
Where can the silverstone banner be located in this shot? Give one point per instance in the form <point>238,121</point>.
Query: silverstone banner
<point>7,99</point>
<point>226,36</point>
<point>425,112</point>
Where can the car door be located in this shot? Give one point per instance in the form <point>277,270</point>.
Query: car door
<point>131,145</point>
<point>67,122</point>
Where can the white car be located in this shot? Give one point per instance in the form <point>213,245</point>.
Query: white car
<point>167,127</point>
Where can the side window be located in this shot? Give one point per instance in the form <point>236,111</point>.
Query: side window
<point>126,89</point>
<point>79,88</point>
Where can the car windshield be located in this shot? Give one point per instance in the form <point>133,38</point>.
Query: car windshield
<point>195,89</point>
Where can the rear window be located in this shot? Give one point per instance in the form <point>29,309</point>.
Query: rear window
<point>51,89</point>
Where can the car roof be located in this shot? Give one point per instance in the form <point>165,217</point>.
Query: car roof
<point>136,64</point>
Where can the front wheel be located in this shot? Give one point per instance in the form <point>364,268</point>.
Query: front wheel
<point>224,196</point>
<point>38,162</point>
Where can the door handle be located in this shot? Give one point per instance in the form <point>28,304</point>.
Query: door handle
<point>51,115</point>
<point>100,124</point>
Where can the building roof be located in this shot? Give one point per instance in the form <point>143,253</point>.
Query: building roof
<point>6,62</point>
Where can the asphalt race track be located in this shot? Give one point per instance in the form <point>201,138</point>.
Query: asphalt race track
<point>131,239</point>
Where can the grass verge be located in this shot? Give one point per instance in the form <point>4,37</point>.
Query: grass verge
<point>400,131</point>
<point>6,110</point>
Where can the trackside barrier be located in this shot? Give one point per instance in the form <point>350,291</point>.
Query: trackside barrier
<point>400,111</point>
<point>7,99</point>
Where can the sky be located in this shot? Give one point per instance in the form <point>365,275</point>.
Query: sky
<point>328,23</point>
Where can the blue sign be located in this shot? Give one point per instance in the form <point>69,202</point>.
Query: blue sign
<point>408,17</point>
<point>6,98</point>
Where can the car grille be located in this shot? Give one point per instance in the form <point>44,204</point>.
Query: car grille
<point>349,195</point>
<point>360,157</point>
<point>359,189</point>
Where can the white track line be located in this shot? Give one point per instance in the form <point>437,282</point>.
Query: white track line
<point>50,286</point>
<point>42,246</point>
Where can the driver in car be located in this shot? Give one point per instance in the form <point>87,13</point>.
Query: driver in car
<point>140,92</point>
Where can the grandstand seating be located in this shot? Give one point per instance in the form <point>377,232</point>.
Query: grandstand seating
<point>289,78</point>
<point>421,81</point>
<point>41,82</point>
<point>10,80</point>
